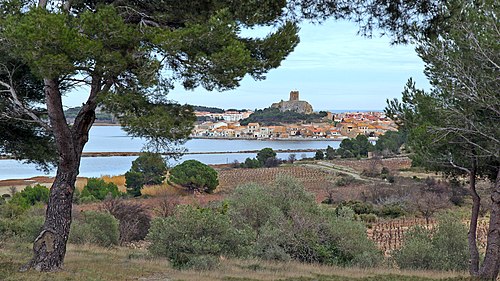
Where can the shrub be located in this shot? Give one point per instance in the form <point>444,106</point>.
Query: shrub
<point>368,218</point>
<point>319,155</point>
<point>99,228</point>
<point>358,207</point>
<point>443,249</point>
<point>87,199</point>
<point>392,211</point>
<point>30,196</point>
<point>134,220</point>
<point>24,228</point>
<point>344,180</point>
<point>195,176</point>
<point>287,224</point>
<point>251,163</point>
<point>352,246</point>
<point>99,189</point>
<point>192,234</point>
<point>450,242</point>
<point>272,162</point>
<point>417,251</point>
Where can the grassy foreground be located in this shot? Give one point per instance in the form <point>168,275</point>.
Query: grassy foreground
<point>94,263</point>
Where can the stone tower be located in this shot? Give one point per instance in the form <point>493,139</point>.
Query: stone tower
<point>294,95</point>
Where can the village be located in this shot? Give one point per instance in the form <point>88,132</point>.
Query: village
<point>227,125</point>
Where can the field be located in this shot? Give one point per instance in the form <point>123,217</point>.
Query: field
<point>85,263</point>
<point>119,263</point>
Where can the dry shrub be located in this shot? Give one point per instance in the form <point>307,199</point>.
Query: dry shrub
<point>133,217</point>
<point>166,206</point>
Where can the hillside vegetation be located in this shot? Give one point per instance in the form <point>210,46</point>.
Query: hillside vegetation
<point>273,116</point>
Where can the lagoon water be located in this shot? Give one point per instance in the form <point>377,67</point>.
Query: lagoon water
<point>114,139</point>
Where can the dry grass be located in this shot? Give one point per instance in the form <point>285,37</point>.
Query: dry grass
<point>118,180</point>
<point>94,263</point>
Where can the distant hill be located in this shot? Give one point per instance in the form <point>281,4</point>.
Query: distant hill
<point>207,109</point>
<point>215,109</point>
<point>273,116</point>
<point>101,116</point>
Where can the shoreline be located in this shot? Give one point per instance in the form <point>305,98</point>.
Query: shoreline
<point>269,139</point>
<point>130,153</point>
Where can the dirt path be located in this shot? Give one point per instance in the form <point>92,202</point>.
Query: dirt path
<point>337,168</point>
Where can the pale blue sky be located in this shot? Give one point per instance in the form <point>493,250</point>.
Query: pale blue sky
<point>332,67</point>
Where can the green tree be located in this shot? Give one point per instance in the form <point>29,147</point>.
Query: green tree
<point>152,166</point>
<point>149,168</point>
<point>319,155</point>
<point>134,182</point>
<point>330,153</point>
<point>264,154</point>
<point>454,128</point>
<point>126,54</point>
<point>390,142</point>
<point>195,176</point>
<point>357,147</point>
<point>251,163</point>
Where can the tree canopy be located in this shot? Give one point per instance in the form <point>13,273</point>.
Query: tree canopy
<point>126,55</point>
<point>195,176</point>
<point>454,127</point>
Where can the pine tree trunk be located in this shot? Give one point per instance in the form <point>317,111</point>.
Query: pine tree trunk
<point>491,264</point>
<point>49,248</point>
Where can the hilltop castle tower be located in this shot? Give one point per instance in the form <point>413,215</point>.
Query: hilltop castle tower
<point>294,104</point>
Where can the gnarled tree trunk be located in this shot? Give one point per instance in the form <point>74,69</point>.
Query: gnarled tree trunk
<point>491,264</point>
<point>49,248</point>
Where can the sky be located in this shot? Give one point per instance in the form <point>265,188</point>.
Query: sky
<point>333,68</point>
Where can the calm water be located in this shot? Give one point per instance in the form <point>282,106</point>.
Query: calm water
<point>113,139</point>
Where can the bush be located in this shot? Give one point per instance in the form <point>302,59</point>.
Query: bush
<point>287,224</point>
<point>99,228</point>
<point>344,180</point>
<point>24,228</point>
<point>272,162</point>
<point>30,196</point>
<point>319,155</point>
<point>368,218</point>
<point>445,248</point>
<point>358,207</point>
<point>99,189</point>
<point>195,176</point>
<point>134,219</point>
<point>392,211</point>
<point>251,163</point>
<point>192,234</point>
